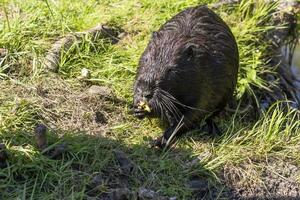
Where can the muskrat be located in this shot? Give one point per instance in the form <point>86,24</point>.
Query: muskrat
<point>187,72</point>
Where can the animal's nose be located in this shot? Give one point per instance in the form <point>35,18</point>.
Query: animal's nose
<point>137,101</point>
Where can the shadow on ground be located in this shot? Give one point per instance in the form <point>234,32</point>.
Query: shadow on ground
<point>96,167</point>
<point>89,156</point>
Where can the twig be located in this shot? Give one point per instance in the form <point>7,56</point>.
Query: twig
<point>54,55</point>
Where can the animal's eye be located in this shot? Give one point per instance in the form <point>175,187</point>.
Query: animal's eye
<point>139,90</point>
<point>148,95</point>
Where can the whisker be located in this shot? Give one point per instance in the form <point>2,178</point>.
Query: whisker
<point>175,108</point>
<point>155,106</point>
<point>183,105</point>
<point>161,110</point>
<point>165,106</point>
<point>172,108</point>
<point>172,99</point>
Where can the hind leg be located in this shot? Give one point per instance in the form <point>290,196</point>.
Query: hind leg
<point>212,127</point>
<point>162,141</point>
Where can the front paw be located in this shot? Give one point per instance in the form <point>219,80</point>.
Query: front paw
<point>159,142</point>
<point>138,113</point>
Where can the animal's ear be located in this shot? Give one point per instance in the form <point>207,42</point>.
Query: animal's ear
<point>189,51</point>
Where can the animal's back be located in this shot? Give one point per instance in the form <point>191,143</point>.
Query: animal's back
<point>219,67</point>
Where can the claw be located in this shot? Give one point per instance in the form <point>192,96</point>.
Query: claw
<point>140,114</point>
<point>141,110</point>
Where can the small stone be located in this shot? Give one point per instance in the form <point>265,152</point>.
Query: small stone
<point>58,150</point>
<point>121,194</point>
<point>41,136</point>
<point>97,180</point>
<point>198,159</point>
<point>193,162</point>
<point>126,165</point>
<point>144,193</point>
<point>96,90</point>
<point>95,185</point>
<point>85,73</point>
<point>198,185</point>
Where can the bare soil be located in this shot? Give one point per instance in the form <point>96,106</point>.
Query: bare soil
<point>272,179</point>
<point>72,107</point>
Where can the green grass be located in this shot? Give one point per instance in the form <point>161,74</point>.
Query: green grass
<point>27,30</point>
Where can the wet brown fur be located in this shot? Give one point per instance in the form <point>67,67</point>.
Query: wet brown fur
<point>188,70</point>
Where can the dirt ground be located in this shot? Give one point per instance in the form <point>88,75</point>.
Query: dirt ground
<point>77,108</point>
<point>272,179</point>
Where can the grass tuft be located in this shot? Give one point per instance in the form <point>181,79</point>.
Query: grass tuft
<point>61,101</point>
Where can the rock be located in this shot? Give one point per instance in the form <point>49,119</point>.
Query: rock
<point>94,187</point>
<point>121,194</point>
<point>96,90</point>
<point>198,159</point>
<point>126,165</point>
<point>147,194</point>
<point>41,140</point>
<point>97,180</point>
<point>198,185</point>
<point>58,150</point>
<point>192,162</point>
<point>41,136</point>
<point>144,193</point>
<point>85,73</point>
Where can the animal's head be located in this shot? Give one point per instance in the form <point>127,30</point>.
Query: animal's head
<point>145,97</point>
<point>162,69</point>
